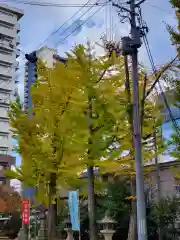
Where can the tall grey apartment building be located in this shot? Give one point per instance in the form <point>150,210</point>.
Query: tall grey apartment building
<point>9,52</point>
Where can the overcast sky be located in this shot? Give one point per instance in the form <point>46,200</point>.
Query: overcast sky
<point>39,22</point>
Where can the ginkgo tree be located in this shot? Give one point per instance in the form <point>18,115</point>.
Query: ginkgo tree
<point>99,121</point>
<point>120,98</point>
<point>49,141</point>
<point>110,116</point>
<point>66,129</point>
<point>79,111</point>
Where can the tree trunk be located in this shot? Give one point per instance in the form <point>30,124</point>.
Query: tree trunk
<point>132,232</point>
<point>52,209</point>
<point>91,204</point>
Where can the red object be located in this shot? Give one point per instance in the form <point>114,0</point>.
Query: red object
<point>25,204</point>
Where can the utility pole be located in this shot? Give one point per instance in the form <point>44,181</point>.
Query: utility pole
<point>141,207</point>
<point>130,47</point>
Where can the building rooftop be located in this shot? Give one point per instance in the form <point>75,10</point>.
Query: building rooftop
<point>58,58</point>
<point>14,10</point>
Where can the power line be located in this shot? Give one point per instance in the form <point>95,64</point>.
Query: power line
<point>48,4</point>
<point>70,26</point>
<point>155,73</point>
<point>160,8</point>
<point>54,32</point>
<point>95,4</point>
<point>80,25</point>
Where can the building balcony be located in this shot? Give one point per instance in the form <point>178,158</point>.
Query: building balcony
<point>17,66</point>
<point>10,19</point>
<point>7,159</point>
<point>4,144</point>
<point>4,124</point>
<point>6,85</point>
<point>18,27</point>
<point>8,58</point>
<point>5,101</point>
<point>10,32</point>
<point>6,72</point>
<point>26,95</point>
<point>15,92</point>
<point>17,40</point>
<point>16,81</point>
<point>17,53</point>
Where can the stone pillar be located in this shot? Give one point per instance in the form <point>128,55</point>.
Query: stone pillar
<point>42,233</point>
<point>108,234</point>
<point>68,229</point>
<point>22,235</point>
<point>69,234</point>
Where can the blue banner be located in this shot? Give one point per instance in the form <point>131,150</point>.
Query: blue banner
<point>73,202</point>
<point>29,192</point>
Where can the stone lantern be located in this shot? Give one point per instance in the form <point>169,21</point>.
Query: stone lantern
<point>107,227</point>
<point>68,229</point>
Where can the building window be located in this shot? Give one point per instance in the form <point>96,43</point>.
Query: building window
<point>4,120</point>
<point>6,13</point>
<point>3,51</point>
<point>4,135</point>
<point>177,188</point>
<point>6,25</point>
<point>2,181</point>
<point>3,151</point>
<point>4,97</point>
<point>4,110</point>
<point>1,167</point>
<point>4,64</point>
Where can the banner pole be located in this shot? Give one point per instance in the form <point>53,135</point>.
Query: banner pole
<point>79,216</point>
<point>29,234</point>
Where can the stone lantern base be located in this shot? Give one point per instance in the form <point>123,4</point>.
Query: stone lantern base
<point>108,234</point>
<point>69,234</point>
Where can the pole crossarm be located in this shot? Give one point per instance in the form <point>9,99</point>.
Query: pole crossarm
<point>120,7</point>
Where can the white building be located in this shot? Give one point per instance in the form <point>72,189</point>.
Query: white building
<point>9,52</point>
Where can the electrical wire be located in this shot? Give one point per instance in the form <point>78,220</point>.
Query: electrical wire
<point>110,20</point>
<point>159,8</point>
<point>95,4</point>
<point>155,73</point>
<point>57,30</point>
<point>106,32</point>
<point>80,25</point>
<point>49,4</point>
<point>54,32</point>
<point>76,20</point>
